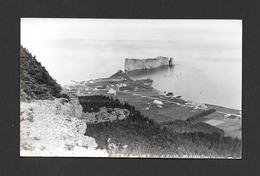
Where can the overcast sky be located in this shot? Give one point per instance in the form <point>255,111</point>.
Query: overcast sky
<point>81,49</point>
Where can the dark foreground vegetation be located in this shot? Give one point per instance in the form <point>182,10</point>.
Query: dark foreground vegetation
<point>140,135</point>
<point>35,81</point>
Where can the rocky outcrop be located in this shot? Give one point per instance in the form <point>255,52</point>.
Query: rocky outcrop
<point>150,63</point>
<point>55,128</point>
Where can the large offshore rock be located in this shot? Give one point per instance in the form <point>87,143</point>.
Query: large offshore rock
<point>150,63</point>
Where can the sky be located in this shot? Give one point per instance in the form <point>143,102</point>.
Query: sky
<point>83,49</point>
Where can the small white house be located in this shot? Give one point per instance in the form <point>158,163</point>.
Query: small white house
<point>198,105</point>
<point>227,115</point>
<point>157,102</point>
<point>121,85</point>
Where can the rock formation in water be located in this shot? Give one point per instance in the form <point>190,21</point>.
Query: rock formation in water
<point>150,63</point>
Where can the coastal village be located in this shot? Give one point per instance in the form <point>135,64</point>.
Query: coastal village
<point>159,106</point>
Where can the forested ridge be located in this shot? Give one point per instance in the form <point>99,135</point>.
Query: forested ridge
<point>35,81</point>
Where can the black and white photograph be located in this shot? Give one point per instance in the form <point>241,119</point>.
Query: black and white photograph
<point>131,88</point>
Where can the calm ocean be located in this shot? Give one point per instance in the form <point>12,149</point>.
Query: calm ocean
<point>209,81</point>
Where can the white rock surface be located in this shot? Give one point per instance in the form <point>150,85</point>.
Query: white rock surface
<point>50,128</point>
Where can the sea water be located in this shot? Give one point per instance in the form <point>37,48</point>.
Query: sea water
<point>202,80</point>
<point>204,74</point>
<point>207,53</point>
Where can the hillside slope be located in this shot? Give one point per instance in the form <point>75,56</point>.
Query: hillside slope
<point>35,81</point>
<point>49,125</point>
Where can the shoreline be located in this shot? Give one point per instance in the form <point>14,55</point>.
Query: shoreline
<point>182,80</point>
<point>208,104</point>
<point>151,103</point>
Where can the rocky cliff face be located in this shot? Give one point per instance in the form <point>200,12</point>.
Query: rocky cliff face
<point>150,63</point>
<point>55,128</point>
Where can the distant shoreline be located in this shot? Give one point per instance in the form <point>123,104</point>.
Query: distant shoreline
<point>219,108</point>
